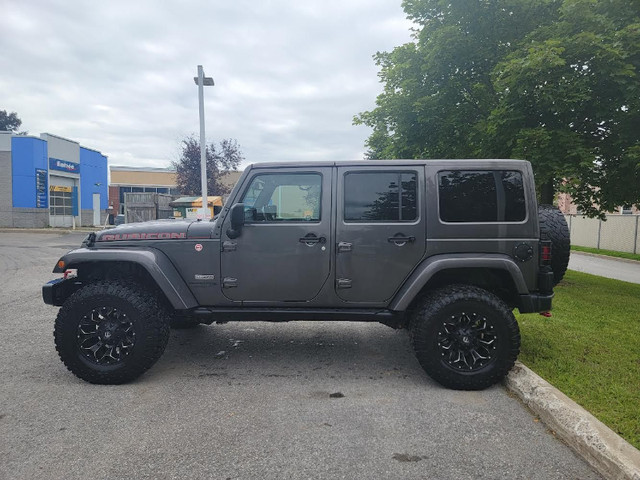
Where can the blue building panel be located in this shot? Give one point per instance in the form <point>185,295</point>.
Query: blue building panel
<point>27,155</point>
<point>93,178</point>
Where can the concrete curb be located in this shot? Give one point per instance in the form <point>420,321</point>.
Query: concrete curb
<point>601,447</point>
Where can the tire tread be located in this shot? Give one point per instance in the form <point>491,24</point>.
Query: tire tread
<point>152,316</point>
<point>435,302</point>
<point>553,227</point>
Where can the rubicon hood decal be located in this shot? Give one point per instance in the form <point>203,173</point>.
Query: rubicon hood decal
<point>153,230</point>
<point>114,237</point>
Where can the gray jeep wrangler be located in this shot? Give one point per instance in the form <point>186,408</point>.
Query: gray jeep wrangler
<point>444,248</point>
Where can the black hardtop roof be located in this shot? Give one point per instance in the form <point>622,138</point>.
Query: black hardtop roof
<point>476,163</point>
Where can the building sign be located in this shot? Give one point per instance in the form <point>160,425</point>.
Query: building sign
<point>63,165</point>
<point>42,197</point>
<point>60,188</point>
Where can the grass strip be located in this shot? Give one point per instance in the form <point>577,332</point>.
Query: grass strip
<point>590,348</point>
<point>608,253</point>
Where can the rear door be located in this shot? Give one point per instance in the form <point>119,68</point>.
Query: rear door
<point>380,231</point>
<point>283,253</point>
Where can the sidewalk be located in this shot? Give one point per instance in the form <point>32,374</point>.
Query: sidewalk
<point>610,267</point>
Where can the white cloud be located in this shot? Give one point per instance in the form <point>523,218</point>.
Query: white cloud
<point>117,76</point>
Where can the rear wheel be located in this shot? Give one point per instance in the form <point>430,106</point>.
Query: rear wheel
<point>465,337</point>
<point>111,332</point>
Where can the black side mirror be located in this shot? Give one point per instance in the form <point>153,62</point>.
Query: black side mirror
<point>237,220</point>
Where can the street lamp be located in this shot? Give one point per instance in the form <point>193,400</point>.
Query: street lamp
<point>203,81</point>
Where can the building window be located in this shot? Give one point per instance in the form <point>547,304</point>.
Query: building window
<point>60,202</point>
<point>380,197</point>
<point>124,190</point>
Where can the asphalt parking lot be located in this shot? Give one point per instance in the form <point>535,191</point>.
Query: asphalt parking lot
<point>248,400</point>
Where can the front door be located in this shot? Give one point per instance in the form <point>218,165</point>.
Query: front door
<point>380,233</point>
<point>283,253</point>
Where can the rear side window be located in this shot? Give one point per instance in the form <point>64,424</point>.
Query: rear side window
<point>481,196</point>
<point>380,196</point>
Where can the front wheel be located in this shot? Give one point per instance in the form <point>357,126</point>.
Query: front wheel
<point>465,337</point>
<point>111,332</point>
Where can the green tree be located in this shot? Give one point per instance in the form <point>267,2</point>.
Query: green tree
<point>221,159</point>
<point>552,81</point>
<point>569,101</point>
<point>9,121</point>
<point>438,87</point>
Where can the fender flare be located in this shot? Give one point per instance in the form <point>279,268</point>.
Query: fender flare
<point>156,263</point>
<point>429,267</point>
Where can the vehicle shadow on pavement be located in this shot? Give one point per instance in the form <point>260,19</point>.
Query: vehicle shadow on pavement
<point>292,350</point>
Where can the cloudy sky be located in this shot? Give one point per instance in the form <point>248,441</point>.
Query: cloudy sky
<point>117,76</point>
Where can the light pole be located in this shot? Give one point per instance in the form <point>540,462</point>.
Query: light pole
<point>201,81</point>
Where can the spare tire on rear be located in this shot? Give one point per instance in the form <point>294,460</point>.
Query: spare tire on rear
<point>553,227</point>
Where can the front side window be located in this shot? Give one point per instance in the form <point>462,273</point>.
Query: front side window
<point>380,197</point>
<point>291,197</point>
<point>481,196</point>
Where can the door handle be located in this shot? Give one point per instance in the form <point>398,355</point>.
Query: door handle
<point>400,239</point>
<point>311,239</point>
<point>229,246</point>
<point>230,282</point>
<point>345,247</point>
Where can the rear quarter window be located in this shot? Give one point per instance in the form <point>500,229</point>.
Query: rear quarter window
<point>481,196</point>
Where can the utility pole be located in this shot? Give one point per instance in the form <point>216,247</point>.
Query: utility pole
<point>203,81</point>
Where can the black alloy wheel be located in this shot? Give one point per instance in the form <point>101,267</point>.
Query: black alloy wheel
<point>467,341</point>
<point>106,335</point>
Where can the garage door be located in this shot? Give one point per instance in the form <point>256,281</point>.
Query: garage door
<point>61,201</point>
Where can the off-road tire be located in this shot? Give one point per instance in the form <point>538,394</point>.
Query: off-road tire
<point>553,227</point>
<point>434,316</point>
<point>146,320</point>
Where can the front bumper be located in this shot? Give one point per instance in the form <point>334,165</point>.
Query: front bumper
<point>56,291</point>
<point>535,303</point>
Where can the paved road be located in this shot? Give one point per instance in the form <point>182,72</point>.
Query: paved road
<point>610,267</point>
<point>248,400</point>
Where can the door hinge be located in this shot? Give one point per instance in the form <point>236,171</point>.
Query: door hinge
<point>229,282</point>
<point>343,283</point>
<point>345,247</point>
<point>229,246</point>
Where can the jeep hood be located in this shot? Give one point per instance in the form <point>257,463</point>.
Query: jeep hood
<point>156,230</point>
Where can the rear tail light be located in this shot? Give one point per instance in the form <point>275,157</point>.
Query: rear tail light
<point>545,252</point>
